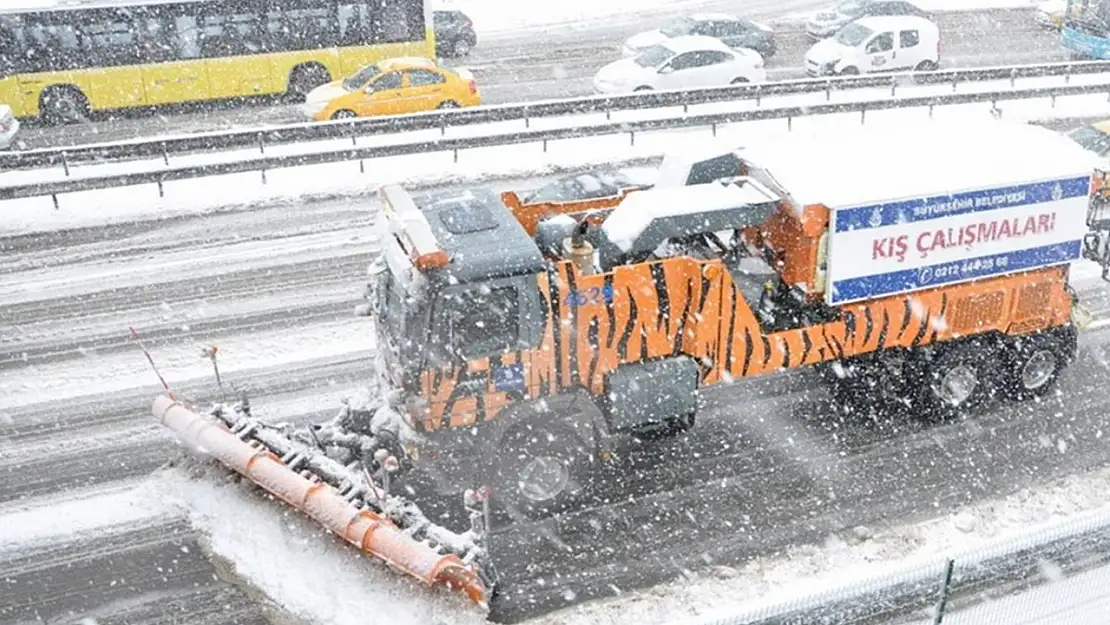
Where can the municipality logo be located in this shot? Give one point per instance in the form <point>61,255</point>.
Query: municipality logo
<point>876,219</point>
<point>1057,192</point>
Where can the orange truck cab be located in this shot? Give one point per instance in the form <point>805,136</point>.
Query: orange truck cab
<point>924,265</point>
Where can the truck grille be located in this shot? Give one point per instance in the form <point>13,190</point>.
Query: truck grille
<point>977,312</point>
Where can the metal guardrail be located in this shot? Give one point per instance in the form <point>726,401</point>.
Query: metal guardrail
<point>925,591</point>
<point>261,138</point>
<point>160,175</point>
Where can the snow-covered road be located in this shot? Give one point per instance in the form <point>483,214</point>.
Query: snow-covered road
<point>768,467</point>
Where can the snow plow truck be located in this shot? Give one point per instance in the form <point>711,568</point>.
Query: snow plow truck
<point>516,342</point>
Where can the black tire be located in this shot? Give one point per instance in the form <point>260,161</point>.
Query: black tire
<point>461,48</point>
<point>956,378</point>
<point>448,104</point>
<point>539,467</point>
<point>63,104</point>
<point>739,81</point>
<point>1034,363</point>
<point>850,71</point>
<point>344,114</point>
<point>926,66</point>
<point>640,89</point>
<point>305,78</point>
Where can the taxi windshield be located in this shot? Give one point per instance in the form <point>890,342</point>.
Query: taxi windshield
<point>360,78</point>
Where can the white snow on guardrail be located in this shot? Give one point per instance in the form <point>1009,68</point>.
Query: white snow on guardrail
<point>294,185</point>
<point>846,96</point>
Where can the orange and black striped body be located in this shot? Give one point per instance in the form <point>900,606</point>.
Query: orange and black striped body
<point>687,307</point>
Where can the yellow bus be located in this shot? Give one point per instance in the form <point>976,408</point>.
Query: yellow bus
<point>61,62</point>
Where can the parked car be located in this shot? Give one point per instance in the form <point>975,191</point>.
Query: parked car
<point>827,22</point>
<point>393,87</point>
<point>9,127</point>
<point>736,32</point>
<point>1050,13</point>
<point>590,185</point>
<point>1094,137</point>
<point>877,44</point>
<point>454,32</point>
<point>689,62</point>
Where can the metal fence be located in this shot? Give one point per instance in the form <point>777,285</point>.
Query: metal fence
<point>930,592</point>
<point>167,147</point>
<point>158,174</point>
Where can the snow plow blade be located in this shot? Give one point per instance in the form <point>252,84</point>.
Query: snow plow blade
<point>361,526</point>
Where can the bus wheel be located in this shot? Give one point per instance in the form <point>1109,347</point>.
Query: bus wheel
<point>305,78</point>
<point>60,104</point>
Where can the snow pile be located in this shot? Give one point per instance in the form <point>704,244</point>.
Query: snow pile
<point>860,555</point>
<point>301,567</point>
<point>30,524</point>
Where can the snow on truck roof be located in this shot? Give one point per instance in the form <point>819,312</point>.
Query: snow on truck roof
<point>864,165</point>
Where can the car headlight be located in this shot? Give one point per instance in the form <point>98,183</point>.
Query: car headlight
<point>315,107</point>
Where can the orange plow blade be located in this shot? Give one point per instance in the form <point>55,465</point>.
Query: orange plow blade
<point>369,530</point>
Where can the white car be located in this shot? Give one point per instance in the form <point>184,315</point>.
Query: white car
<point>9,127</point>
<point>827,22</point>
<point>877,44</point>
<point>682,63</point>
<point>733,31</point>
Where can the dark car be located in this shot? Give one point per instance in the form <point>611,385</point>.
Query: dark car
<point>586,186</point>
<point>454,32</point>
<point>1094,137</point>
<point>827,22</point>
<point>734,31</point>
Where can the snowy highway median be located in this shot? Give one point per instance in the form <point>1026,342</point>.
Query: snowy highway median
<point>902,88</point>
<point>353,178</point>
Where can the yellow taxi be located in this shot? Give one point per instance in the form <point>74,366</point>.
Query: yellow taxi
<point>393,87</point>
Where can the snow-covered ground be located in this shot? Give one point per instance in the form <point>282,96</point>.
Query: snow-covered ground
<point>318,578</point>
<point>1082,598</point>
<point>496,16</point>
<point>178,363</point>
<point>346,179</point>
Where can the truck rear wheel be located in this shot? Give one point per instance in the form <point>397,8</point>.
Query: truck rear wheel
<point>957,378</point>
<point>1034,363</point>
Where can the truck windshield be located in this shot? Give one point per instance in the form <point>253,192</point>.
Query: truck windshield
<point>853,34</point>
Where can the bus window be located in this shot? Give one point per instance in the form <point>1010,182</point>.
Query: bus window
<point>397,21</point>
<point>11,45</point>
<point>226,30</point>
<point>109,39</point>
<point>52,47</point>
<point>305,28</point>
<point>156,37</point>
<point>354,24</point>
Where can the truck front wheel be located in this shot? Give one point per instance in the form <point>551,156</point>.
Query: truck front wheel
<point>539,467</point>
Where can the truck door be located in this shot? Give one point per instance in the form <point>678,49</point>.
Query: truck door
<point>880,53</point>
<point>483,333</point>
